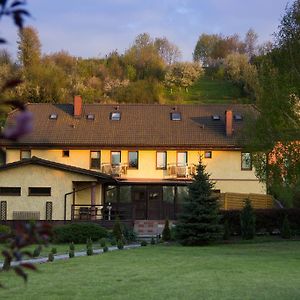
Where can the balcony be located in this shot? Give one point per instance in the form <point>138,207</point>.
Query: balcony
<point>114,170</point>
<point>181,171</point>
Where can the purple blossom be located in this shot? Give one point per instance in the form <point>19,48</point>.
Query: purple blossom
<point>23,125</point>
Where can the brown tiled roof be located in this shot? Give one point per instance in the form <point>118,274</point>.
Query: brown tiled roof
<point>141,125</point>
<point>47,163</point>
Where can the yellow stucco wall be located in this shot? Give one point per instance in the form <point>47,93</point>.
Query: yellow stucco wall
<point>224,166</point>
<point>61,182</point>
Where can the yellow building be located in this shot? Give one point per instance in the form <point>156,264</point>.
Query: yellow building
<point>96,161</point>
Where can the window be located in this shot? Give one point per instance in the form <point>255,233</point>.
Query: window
<point>66,153</point>
<point>116,158</point>
<point>238,117</point>
<point>216,117</point>
<point>95,160</point>
<point>133,161</point>
<point>161,160</point>
<point>90,117</point>
<point>25,154</point>
<point>53,116</point>
<point>181,159</point>
<point>10,191</point>
<point>39,191</point>
<point>246,161</point>
<point>208,154</point>
<point>115,116</point>
<point>175,116</point>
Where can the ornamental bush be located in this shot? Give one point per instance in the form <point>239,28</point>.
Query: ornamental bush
<point>71,253</point>
<point>105,249</point>
<point>120,245</point>
<point>166,233</point>
<point>78,233</point>
<point>144,243</point>
<point>118,230</point>
<point>103,242</point>
<point>54,250</point>
<point>89,247</point>
<point>247,218</point>
<point>50,257</point>
<point>37,251</point>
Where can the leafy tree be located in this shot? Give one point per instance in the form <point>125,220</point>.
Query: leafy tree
<point>199,222</point>
<point>29,48</point>
<point>247,219</point>
<point>251,43</point>
<point>182,75</point>
<point>168,51</point>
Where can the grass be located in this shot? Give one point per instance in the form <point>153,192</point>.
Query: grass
<point>236,271</point>
<point>208,90</point>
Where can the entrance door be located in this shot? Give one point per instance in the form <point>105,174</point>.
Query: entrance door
<point>154,202</point>
<point>147,202</point>
<point>139,201</point>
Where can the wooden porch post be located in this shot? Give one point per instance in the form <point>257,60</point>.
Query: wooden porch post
<point>93,201</point>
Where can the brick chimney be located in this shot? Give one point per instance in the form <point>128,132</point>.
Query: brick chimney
<point>77,106</point>
<point>228,122</point>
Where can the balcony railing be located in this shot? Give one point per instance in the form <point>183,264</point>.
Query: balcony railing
<point>114,170</point>
<point>181,171</point>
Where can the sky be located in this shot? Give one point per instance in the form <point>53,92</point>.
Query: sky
<point>93,28</point>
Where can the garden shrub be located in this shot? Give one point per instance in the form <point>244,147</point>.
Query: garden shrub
<point>71,253</point>
<point>285,229</point>
<point>89,247</point>
<point>78,232</point>
<point>54,250</point>
<point>6,265</point>
<point>4,229</point>
<point>129,234</point>
<point>72,246</point>
<point>50,257</point>
<point>113,242</point>
<point>120,245</point>
<point>166,233</point>
<point>144,243</point>
<point>103,242</point>
<point>117,230</point>
<point>152,241</point>
<point>37,251</point>
<point>105,249</point>
<point>248,221</point>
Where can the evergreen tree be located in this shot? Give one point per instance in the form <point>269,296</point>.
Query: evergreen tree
<point>117,230</point>
<point>199,222</point>
<point>247,219</point>
<point>166,233</point>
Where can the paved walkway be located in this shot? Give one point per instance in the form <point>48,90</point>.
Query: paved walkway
<point>66,256</point>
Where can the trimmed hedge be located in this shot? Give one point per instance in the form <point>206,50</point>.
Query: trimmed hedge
<point>78,233</point>
<point>267,220</point>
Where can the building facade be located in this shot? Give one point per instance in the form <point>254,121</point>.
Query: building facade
<point>136,159</point>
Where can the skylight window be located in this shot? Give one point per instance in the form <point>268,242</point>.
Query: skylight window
<point>215,117</point>
<point>238,117</point>
<point>90,117</point>
<point>175,116</point>
<point>115,116</point>
<point>53,116</point>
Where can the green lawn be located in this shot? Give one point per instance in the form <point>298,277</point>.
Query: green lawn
<point>207,90</point>
<point>238,271</point>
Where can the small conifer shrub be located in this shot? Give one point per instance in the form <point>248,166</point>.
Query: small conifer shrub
<point>103,242</point>
<point>54,250</point>
<point>247,219</point>
<point>113,242</point>
<point>117,230</point>
<point>89,247</point>
<point>71,253</point>
<point>72,246</point>
<point>105,249</point>
<point>120,245</point>
<point>152,241</point>
<point>144,243</point>
<point>285,229</point>
<point>51,257</point>
<point>166,233</point>
<point>37,251</point>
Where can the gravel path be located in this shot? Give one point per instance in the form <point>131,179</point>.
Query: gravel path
<point>66,256</point>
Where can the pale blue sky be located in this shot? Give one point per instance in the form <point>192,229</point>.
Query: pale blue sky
<point>93,28</point>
